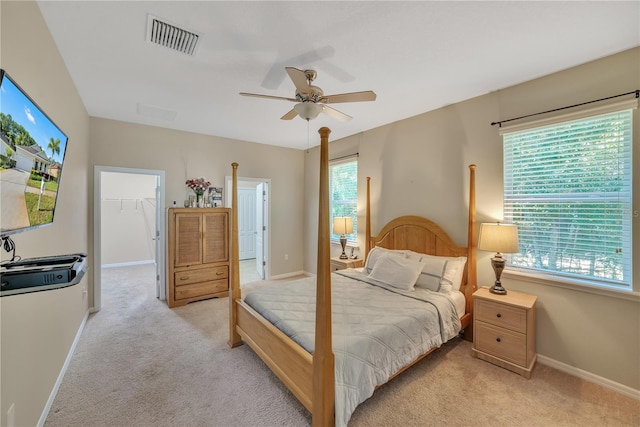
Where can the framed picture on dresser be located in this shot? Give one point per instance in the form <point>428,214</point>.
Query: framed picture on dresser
<point>215,197</point>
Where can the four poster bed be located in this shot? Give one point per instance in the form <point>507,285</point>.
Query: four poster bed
<point>377,327</point>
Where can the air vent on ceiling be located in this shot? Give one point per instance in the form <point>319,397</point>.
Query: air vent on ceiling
<point>168,35</point>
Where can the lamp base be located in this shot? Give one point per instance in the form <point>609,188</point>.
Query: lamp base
<point>343,242</point>
<point>497,262</point>
<point>497,289</point>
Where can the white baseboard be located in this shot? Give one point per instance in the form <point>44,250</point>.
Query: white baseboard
<point>284,276</point>
<point>56,386</point>
<point>588,376</point>
<point>128,264</point>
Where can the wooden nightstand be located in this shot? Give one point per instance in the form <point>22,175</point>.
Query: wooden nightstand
<point>504,330</point>
<point>341,264</point>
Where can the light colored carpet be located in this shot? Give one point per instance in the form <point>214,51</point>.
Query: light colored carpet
<point>248,271</point>
<point>139,363</point>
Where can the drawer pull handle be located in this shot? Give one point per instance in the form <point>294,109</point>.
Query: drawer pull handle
<point>184,278</point>
<point>498,339</point>
<point>498,315</point>
<point>219,273</point>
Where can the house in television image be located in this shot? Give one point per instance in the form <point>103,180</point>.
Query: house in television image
<point>27,157</point>
<point>32,157</point>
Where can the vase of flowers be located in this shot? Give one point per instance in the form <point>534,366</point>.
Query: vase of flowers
<point>199,186</point>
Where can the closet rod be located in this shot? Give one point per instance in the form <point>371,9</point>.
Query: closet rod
<point>499,123</point>
<point>119,199</point>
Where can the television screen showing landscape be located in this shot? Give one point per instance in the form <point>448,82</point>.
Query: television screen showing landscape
<point>32,150</point>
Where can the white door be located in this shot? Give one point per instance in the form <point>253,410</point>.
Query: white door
<point>247,223</point>
<point>260,196</point>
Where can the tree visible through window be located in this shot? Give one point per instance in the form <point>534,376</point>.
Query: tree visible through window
<point>568,188</point>
<point>343,193</point>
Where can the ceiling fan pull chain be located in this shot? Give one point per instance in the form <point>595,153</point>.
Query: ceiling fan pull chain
<point>307,136</point>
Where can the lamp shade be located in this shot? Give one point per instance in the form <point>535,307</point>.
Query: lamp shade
<point>308,110</point>
<point>342,225</point>
<point>498,238</point>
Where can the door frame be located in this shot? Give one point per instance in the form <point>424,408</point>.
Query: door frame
<point>97,229</point>
<point>261,195</point>
<point>266,248</point>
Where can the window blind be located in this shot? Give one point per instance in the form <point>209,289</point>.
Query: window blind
<point>568,188</point>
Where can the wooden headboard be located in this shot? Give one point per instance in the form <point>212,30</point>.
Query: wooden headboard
<point>424,236</point>
<point>417,234</point>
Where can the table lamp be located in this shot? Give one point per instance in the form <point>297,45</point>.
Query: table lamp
<point>343,225</point>
<point>499,238</point>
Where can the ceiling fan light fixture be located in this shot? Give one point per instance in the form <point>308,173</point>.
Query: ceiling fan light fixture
<point>308,110</point>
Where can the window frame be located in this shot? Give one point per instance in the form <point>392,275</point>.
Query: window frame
<point>352,239</point>
<point>560,278</point>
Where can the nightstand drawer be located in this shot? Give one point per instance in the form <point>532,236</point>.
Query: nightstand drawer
<point>341,264</point>
<point>504,316</point>
<point>505,344</point>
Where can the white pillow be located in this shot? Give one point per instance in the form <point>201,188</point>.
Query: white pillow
<point>440,274</point>
<point>396,271</point>
<point>375,253</point>
<point>433,274</point>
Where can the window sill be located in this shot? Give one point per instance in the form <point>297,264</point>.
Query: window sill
<point>574,285</point>
<point>349,244</point>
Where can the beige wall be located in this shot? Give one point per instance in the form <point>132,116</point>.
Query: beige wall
<point>38,329</point>
<point>184,155</point>
<point>128,218</point>
<point>419,166</point>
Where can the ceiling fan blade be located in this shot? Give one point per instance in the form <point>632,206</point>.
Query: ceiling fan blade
<point>299,79</point>
<point>332,112</point>
<point>367,95</point>
<point>256,95</point>
<point>290,115</point>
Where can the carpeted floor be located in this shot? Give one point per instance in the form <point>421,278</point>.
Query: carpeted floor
<point>248,271</point>
<point>139,363</point>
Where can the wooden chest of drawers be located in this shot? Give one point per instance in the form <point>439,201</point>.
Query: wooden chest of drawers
<point>505,330</point>
<point>198,258</point>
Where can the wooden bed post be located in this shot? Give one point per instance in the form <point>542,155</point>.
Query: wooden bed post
<point>472,275</point>
<point>367,237</point>
<point>323,359</point>
<point>234,293</point>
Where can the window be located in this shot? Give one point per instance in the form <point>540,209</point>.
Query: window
<point>568,188</point>
<point>343,193</point>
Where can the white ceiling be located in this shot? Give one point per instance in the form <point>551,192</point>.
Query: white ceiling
<point>417,56</point>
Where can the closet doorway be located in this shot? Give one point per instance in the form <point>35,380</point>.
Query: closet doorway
<point>253,226</point>
<point>129,226</point>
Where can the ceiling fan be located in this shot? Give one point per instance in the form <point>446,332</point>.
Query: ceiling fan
<point>311,100</point>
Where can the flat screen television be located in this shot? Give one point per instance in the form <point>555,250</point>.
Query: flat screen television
<point>32,151</point>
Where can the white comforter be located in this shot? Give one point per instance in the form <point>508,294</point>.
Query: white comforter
<point>377,329</point>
